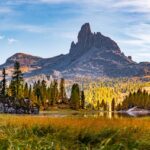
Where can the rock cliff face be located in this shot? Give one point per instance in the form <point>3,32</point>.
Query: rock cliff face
<point>88,40</point>
<point>93,55</point>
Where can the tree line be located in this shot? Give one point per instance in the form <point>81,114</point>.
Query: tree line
<point>140,99</point>
<point>46,96</point>
<point>40,93</point>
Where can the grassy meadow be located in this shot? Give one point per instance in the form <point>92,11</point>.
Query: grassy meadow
<point>46,133</point>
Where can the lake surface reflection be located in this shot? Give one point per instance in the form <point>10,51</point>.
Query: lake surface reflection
<point>94,114</point>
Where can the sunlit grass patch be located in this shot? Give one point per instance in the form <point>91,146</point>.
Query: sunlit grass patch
<point>35,132</point>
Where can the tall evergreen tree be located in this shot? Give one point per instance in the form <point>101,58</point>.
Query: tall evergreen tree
<point>113,105</point>
<point>0,88</point>
<point>98,105</point>
<point>26,91</point>
<point>54,92</point>
<point>3,90</point>
<point>43,92</point>
<point>30,92</point>
<point>139,99</point>
<point>12,89</point>
<point>62,92</point>
<point>37,92</point>
<point>17,81</point>
<point>49,93</point>
<point>104,105</point>
<point>82,100</point>
<point>75,97</point>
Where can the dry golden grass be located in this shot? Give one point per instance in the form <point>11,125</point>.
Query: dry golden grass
<point>24,132</point>
<point>93,123</point>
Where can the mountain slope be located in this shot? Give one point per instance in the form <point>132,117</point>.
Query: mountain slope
<point>28,63</point>
<point>24,59</point>
<point>93,55</point>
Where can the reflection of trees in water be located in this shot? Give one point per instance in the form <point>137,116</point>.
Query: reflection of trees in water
<point>95,114</point>
<point>105,114</point>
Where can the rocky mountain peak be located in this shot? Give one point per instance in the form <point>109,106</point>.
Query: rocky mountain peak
<point>84,42</point>
<point>23,59</point>
<point>88,40</point>
<point>18,55</point>
<point>84,33</point>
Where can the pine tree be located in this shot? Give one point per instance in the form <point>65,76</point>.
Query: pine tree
<point>17,81</point>
<point>82,100</point>
<point>119,107</point>
<point>52,101</point>
<point>104,105</point>
<point>98,105</point>
<point>37,92</point>
<point>12,89</point>
<point>26,91</point>
<point>140,99</point>
<point>30,92</point>
<point>62,92</point>
<point>75,97</point>
<point>54,92</point>
<point>3,90</point>
<point>113,105</point>
<point>0,88</point>
<point>43,92</point>
<point>49,93</point>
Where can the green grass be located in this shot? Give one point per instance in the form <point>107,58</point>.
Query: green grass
<point>43,133</point>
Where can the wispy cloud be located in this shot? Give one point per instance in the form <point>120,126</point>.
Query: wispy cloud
<point>126,21</point>
<point>18,2</point>
<point>135,5</point>
<point>139,34</point>
<point>142,6</point>
<point>12,40</point>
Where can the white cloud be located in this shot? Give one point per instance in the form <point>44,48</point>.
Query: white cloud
<point>140,55</point>
<point>139,5</point>
<point>80,2</point>
<point>12,40</point>
<point>106,15</point>
<point>141,32</point>
<point>18,2</point>
<point>142,6</point>
<point>138,36</point>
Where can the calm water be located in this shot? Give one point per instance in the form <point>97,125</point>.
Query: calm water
<point>94,114</point>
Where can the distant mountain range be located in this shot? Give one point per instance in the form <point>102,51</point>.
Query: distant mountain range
<point>94,55</point>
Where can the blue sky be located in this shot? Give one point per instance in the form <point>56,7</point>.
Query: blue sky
<point>46,27</point>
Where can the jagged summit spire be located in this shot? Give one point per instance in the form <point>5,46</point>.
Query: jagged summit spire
<point>88,40</point>
<point>84,41</point>
<point>86,28</point>
<point>84,32</point>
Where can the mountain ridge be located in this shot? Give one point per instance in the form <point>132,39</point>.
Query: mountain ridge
<point>92,55</point>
